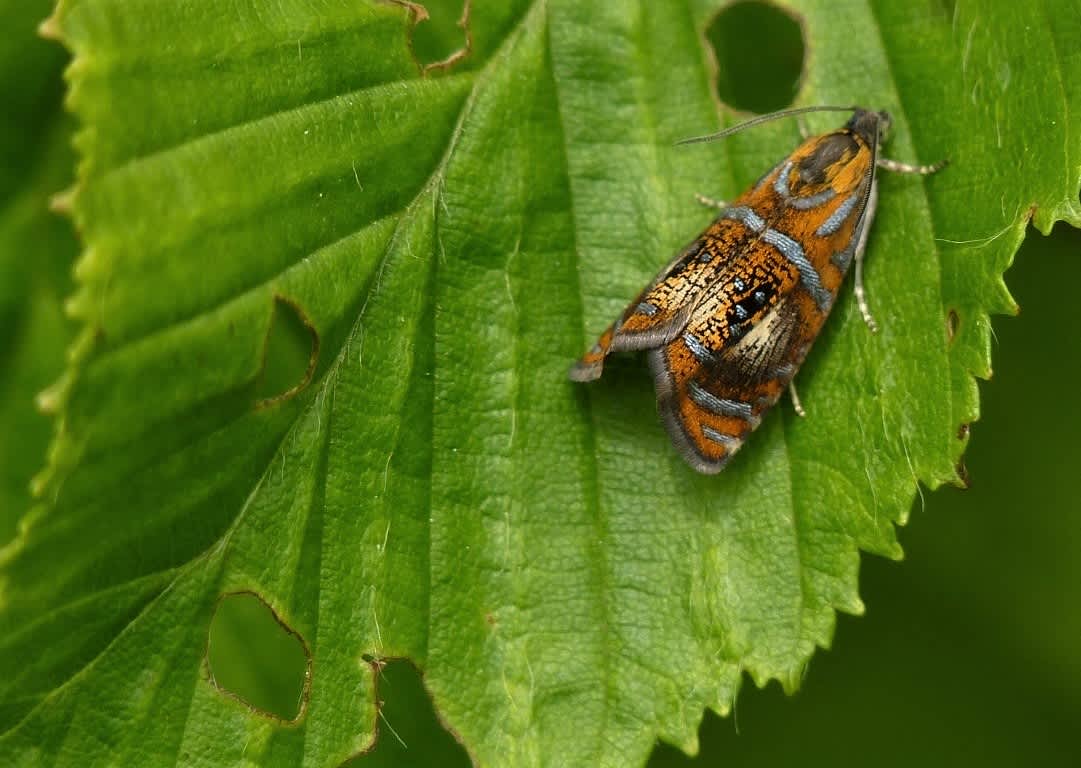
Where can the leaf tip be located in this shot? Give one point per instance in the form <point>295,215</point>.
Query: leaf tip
<point>49,399</point>
<point>49,28</point>
<point>74,305</point>
<point>63,202</point>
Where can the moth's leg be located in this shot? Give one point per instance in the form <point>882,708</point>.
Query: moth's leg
<point>795,399</point>
<point>861,248</point>
<point>710,202</point>
<point>861,245</point>
<point>922,170</point>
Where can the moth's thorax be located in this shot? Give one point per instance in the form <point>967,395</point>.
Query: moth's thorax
<point>869,125</point>
<point>835,162</point>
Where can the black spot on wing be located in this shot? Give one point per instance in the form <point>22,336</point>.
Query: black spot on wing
<point>772,350</point>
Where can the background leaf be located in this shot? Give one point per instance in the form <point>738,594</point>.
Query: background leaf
<point>436,489</point>
<point>36,247</point>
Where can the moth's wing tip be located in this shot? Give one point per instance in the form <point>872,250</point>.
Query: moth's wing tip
<point>669,393</point>
<point>706,467</point>
<point>684,443</point>
<point>652,337</point>
<point>688,451</point>
<point>696,460</point>
<point>583,371</point>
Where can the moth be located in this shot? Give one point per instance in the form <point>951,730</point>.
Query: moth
<point>727,324</point>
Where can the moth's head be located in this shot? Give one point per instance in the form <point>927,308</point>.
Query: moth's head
<point>872,127</point>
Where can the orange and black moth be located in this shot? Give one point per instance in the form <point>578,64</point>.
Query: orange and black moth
<point>729,321</point>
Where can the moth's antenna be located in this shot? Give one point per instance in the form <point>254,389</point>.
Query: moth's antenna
<point>762,119</point>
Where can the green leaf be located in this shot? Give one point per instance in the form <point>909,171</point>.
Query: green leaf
<point>36,248</point>
<point>430,485</point>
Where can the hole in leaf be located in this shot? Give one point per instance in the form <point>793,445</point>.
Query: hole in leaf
<point>440,35</point>
<point>254,656</point>
<point>409,733</point>
<point>290,353</point>
<point>758,49</point>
